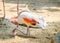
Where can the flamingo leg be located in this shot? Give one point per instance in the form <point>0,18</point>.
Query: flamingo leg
<point>28,31</point>
<point>14,31</point>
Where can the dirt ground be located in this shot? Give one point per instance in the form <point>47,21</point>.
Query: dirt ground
<point>47,36</point>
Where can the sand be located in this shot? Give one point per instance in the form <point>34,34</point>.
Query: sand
<point>53,24</point>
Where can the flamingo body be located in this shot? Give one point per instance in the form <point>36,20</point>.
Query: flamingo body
<point>31,19</point>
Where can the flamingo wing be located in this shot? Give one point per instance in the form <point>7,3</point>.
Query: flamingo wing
<point>30,21</point>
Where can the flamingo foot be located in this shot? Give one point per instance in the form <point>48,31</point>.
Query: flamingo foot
<point>14,32</point>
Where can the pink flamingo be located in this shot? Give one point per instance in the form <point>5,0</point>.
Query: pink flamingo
<point>30,19</point>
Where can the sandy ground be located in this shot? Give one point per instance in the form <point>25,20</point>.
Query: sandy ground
<point>52,18</point>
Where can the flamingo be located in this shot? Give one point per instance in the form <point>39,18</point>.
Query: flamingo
<point>30,19</point>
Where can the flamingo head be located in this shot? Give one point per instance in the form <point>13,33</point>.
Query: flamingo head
<point>41,23</point>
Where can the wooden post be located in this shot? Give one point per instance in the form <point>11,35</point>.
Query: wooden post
<point>3,8</point>
<point>17,7</point>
